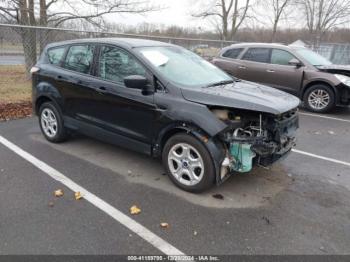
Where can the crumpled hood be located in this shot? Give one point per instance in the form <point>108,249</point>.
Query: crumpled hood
<point>335,69</point>
<point>244,95</point>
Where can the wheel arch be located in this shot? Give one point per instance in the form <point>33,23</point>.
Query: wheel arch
<point>167,132</point>
<point>215,147</point>
<point>40,101</point>
<point>319,82</point>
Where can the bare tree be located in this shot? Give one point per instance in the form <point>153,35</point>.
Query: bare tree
<point>323,15</point>
<point>230,13</point>
<point>275,11</point>
<point>56,13</point>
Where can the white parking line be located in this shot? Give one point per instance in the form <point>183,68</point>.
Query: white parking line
<point>325,117</point>
<point>321,157</point>
<point>131,224</point>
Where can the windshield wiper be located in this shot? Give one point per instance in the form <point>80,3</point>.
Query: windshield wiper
<point>221,83</point>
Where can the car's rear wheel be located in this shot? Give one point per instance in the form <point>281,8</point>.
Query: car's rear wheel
<point>319,98</point>
<point>188,163</point>
<point>51,123</point>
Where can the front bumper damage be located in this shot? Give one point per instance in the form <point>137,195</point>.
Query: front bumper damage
<point>343,95</point>
<point>274,140</point>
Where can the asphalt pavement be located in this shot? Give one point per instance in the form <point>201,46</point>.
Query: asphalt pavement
<point>300,206</point>
<point>11,60</point>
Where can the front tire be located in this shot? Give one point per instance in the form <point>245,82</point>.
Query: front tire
<point>51,123</point>
<point>319,98</point>
<point>188,163</point>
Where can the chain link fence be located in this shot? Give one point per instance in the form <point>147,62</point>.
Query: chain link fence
<point>337,53</point>
<point>20,47</point>
<point>27,42</point>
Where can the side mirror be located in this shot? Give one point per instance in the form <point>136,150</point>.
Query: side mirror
<point>139,82</point>
<point>295,62</point>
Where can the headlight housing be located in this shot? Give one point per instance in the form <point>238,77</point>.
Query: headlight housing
<point>344,79</point>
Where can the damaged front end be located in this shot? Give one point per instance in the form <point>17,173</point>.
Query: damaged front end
<point>254,138</point>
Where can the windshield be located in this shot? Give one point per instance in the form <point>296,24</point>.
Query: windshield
<point>184,67</point>
<point>313,58</point>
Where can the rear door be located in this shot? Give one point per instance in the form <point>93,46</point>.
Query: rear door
<point>254,65</point>
<point>75,81</point>
<point>116,108</point>
<point>229,62</point>
<point>283,76</point>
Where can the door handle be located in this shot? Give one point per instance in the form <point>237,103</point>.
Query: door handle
<point>102,90</point>
<point>270,71</point>
<point>59,78</point>
<point>242,67</point>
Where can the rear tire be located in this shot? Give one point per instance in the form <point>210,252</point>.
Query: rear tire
<point>188,163</point>
<point>51,123</point>
<point>319,98</point>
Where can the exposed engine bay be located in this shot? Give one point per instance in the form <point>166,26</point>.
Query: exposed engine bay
<point>255,138</point>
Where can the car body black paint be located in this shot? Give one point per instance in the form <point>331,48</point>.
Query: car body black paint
<point>129,118</point>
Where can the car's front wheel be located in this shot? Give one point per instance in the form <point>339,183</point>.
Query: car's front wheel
<point>51,123</point>
<point>319,98</point>
<point>188,163</point>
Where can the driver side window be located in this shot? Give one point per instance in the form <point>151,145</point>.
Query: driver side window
<point>115,64</point>
<point>281,57</point>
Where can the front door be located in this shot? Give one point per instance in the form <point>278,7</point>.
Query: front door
<point>283,76</point>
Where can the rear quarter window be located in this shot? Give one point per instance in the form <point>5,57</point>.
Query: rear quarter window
<point>55,55</point>
<point>232,53</point>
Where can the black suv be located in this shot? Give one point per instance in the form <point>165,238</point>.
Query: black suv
<point>165,101</point>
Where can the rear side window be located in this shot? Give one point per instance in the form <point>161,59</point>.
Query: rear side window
<point>261,55</point>
<point>232,53</point>
<point>280,57</point>
<point>115,64</point>
<point>79,58</point>
<point>56,54</point>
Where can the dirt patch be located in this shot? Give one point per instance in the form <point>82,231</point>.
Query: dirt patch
<point>10,111</point>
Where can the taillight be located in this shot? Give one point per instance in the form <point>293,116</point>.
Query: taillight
<point>34,69</point>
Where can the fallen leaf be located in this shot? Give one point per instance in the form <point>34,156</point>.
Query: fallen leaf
<point>51,204</point>
<point>164,225</point>
<point>58,193</point>
<point>195,233</point>
<point>134,210</point>
<point>266,220</point>
<point>78,196</point>
<point>17,110</point>
<point>218,196</point>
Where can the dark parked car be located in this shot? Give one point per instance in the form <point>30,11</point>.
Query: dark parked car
<point>164,101</point>
<point>296,70</point>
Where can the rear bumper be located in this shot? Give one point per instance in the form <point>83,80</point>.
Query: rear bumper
<point>343,98</point>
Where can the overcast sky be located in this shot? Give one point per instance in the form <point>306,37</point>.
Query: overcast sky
<point>176,12</point>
